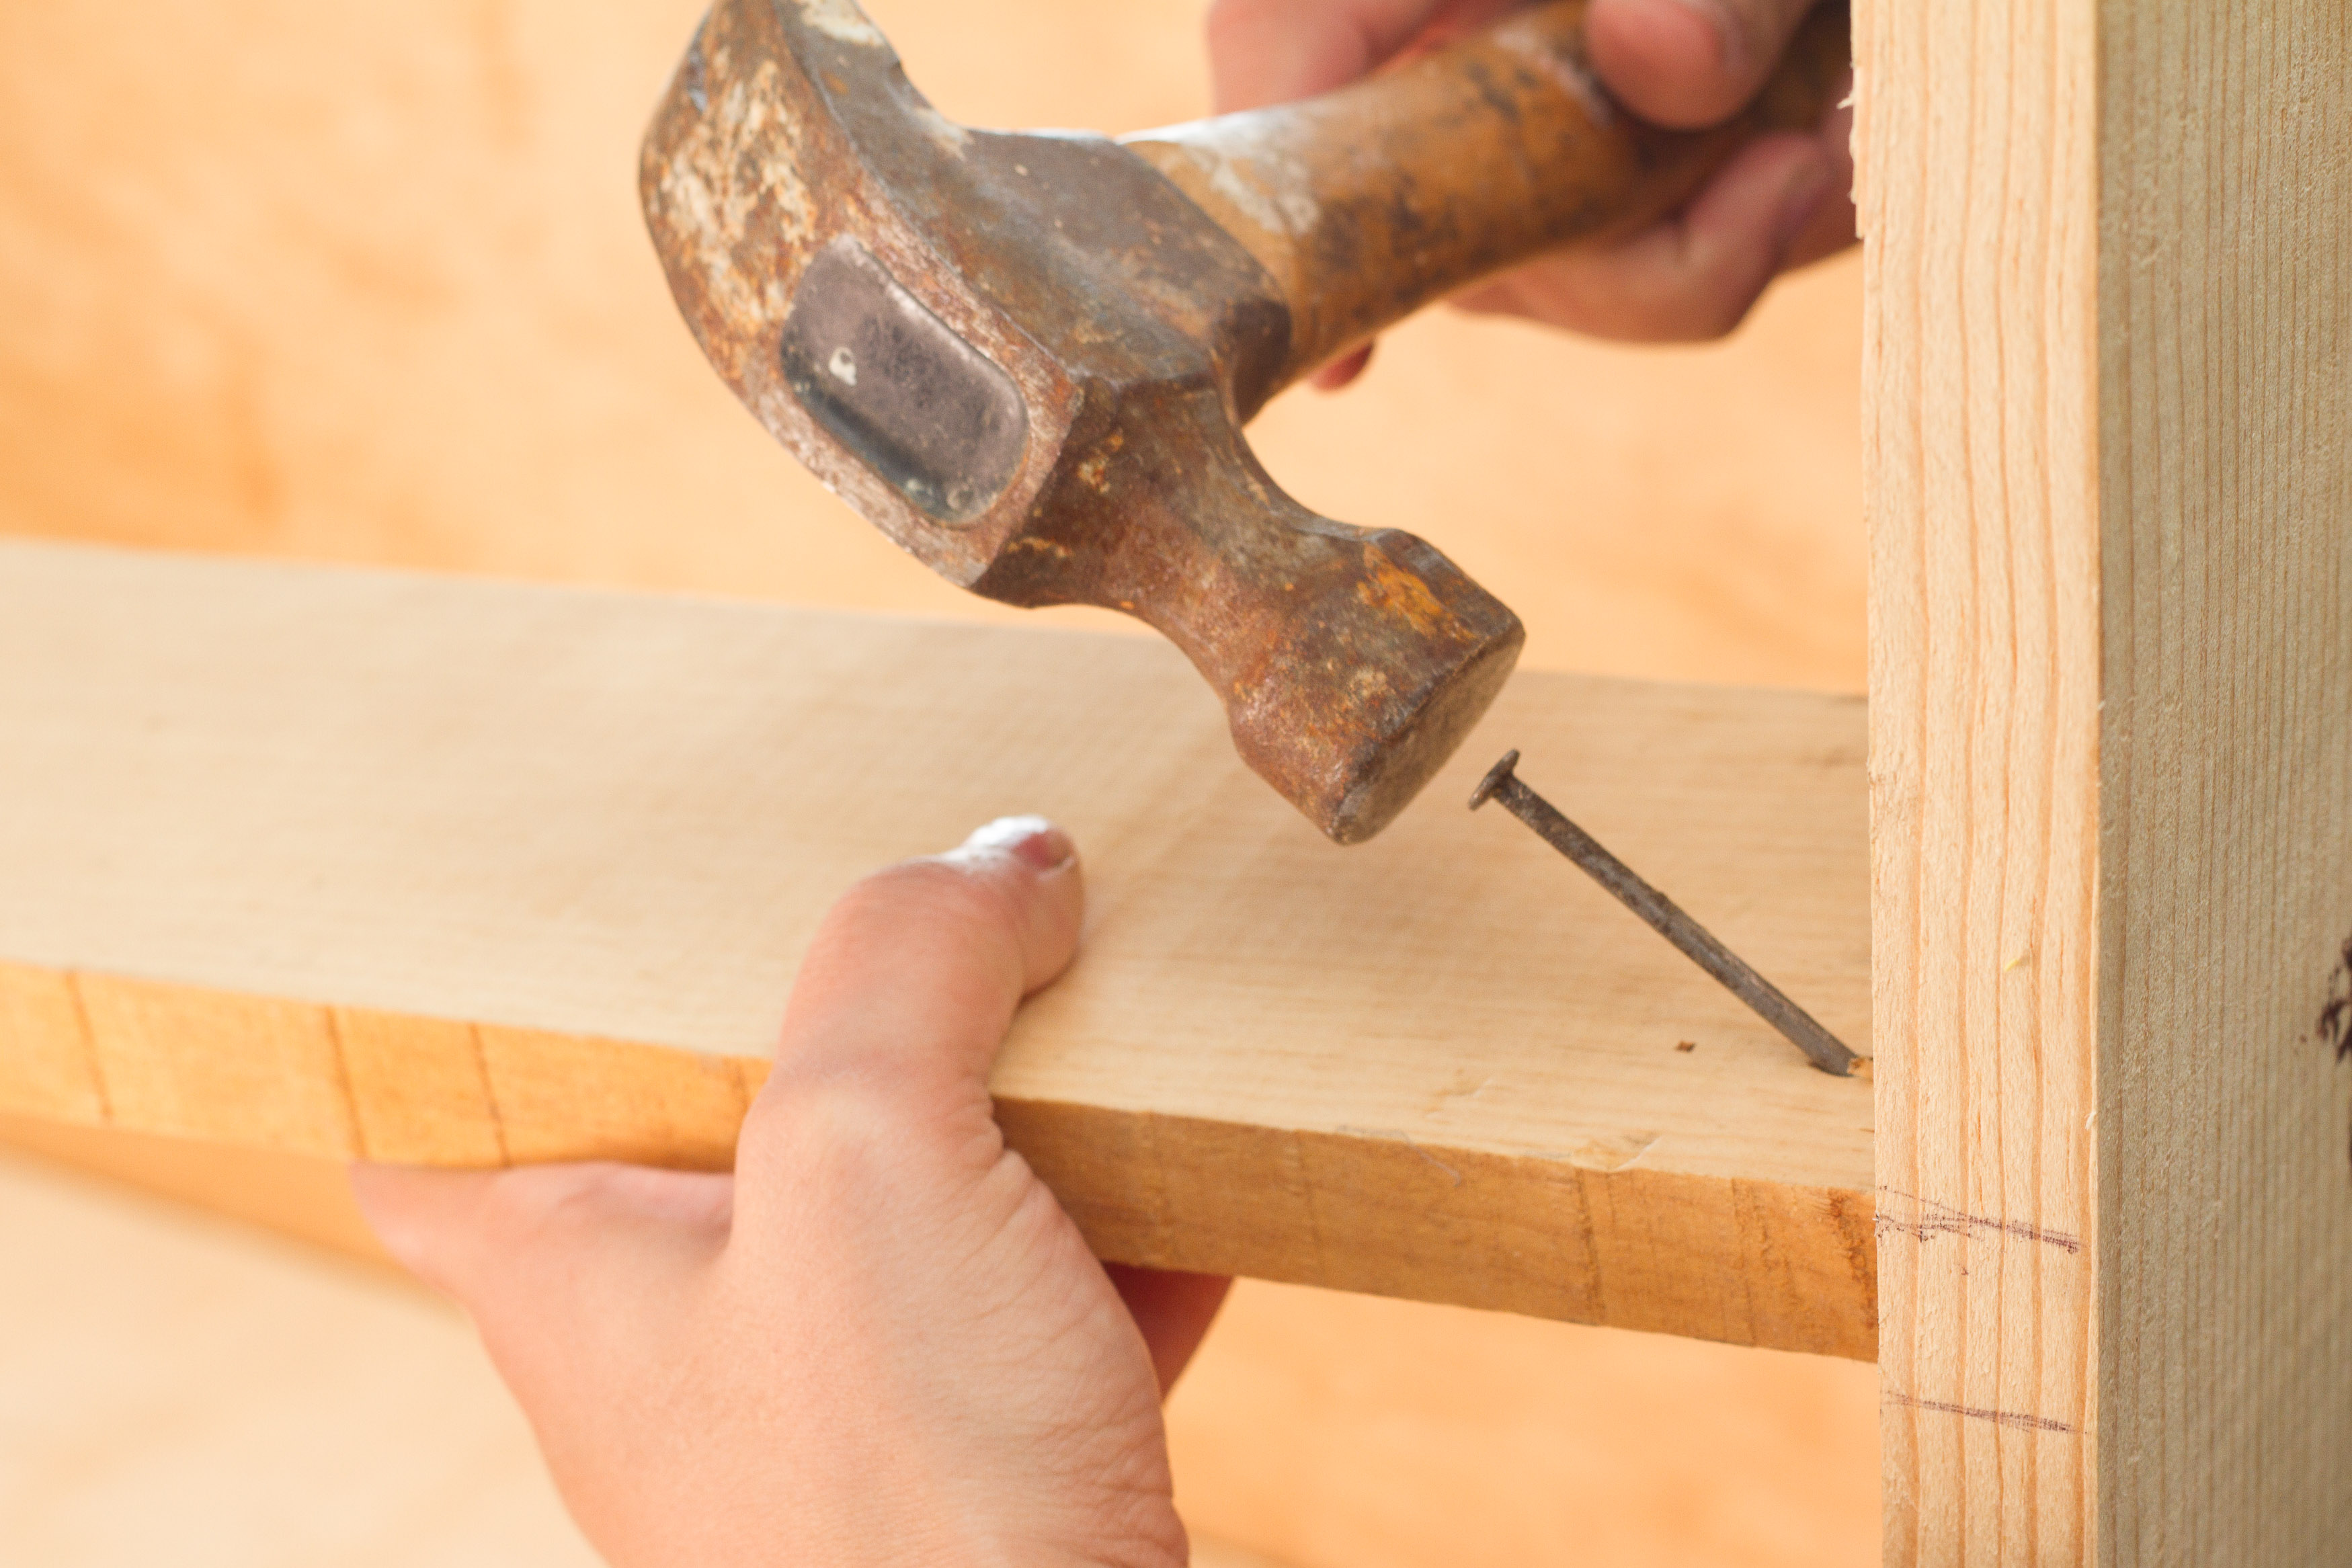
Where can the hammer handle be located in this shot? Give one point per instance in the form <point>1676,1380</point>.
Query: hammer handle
<point>1366,203</point>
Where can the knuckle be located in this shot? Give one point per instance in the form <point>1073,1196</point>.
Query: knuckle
<point>465,1247</point>
<point>528,1204</point>
<point>838,1140</point>
<point>811,1116</point>
<point>1703,304</point>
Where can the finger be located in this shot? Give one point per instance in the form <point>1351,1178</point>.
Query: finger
<point>1272,51</point>
<point>1694,277</point>
<point>1689,63</point>
<point>1343,370</point>
<point>914,975</point>
<point>1174,1311</point>
<point>472,1233</point>
<point>414,1211</point>
<point>1834,225</point>
<point>1264,52</point>
<point>558,1266</point>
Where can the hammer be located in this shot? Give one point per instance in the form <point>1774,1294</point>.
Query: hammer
<point>1027,357</point>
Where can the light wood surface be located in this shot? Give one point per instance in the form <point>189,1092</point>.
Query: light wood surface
<point>2225,881</point>
<point>1981,439</point>
<point>2109,309</point>
<point>366,282</point>
<point>346,864</point>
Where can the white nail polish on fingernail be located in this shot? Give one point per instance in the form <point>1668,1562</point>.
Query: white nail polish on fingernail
<point>1004,832</point>
<point>1034,841</point>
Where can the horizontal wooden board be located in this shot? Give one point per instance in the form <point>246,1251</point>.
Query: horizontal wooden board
<point>372,864</point>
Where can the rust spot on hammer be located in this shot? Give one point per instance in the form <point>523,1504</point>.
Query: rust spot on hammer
<point>1391,590</point>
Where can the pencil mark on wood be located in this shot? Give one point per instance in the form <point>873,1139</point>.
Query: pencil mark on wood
<point>1295,1147</point>
<point>1933,1219</point>
<point>489,1093</point>
<point>90,1053</point>
<point>2016,1420</point>
<point>352,1125</point>
<point>1588,1240</point>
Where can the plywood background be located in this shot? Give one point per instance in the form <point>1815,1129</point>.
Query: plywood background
<point>366,282</point>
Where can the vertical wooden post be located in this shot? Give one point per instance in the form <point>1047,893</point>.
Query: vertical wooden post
<point>2108,423</point>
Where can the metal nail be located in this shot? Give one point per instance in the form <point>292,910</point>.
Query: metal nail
<point>1821,1047</point>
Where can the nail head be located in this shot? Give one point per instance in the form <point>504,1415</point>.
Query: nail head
<point>1494,779</point>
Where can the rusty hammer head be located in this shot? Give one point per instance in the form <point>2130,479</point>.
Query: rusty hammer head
<point>1027,359</point>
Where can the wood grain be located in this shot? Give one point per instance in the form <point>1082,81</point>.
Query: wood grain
<point>1979,375</point>
<point>2225,480</point>
<point>279,835</point>
<point>359,282</point>
<point>2106,311</point>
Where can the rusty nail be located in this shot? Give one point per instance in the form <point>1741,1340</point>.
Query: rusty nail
<point>1821,1047</point>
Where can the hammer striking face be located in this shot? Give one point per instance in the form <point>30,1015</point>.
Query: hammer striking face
<point>1027,357</point>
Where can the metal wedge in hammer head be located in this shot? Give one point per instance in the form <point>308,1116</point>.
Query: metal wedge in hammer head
<point>1027,357</point>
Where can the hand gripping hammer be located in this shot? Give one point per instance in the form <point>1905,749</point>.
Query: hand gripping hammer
<point>1028,357</point>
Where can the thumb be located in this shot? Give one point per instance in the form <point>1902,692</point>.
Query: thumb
<point>1689,63</point>
<point>555,1264</point>
<point>911,981</point>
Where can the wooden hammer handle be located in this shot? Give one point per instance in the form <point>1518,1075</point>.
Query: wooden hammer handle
<point>1368,203</point>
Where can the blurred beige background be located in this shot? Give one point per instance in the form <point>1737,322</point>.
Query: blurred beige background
<point>366,282</point>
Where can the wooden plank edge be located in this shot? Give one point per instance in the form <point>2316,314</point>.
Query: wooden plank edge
<point>1770,1264</point>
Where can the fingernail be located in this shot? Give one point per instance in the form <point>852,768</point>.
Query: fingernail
<point>1719,18</point>
<point>1341,371</point>
<point>1039,845</point>
<point>1800,200</point>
